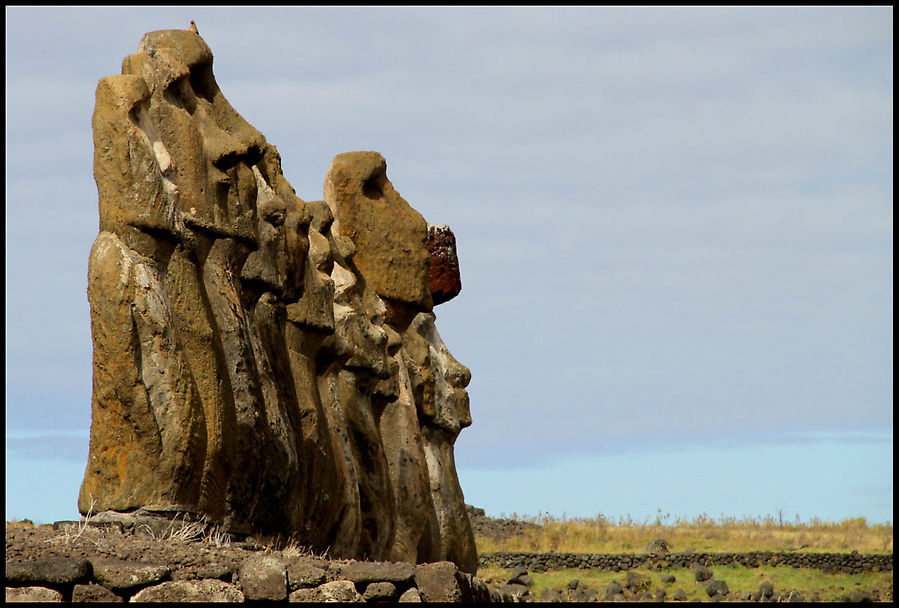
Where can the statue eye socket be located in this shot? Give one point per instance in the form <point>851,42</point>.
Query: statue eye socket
<point>179,94</point>
<point>275,218</point>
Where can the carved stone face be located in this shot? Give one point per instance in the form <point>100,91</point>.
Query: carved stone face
<point>205,149</point>
<point>438,380</point>
<point>132,190</point>
<point>389,235</point>
<point>278,264</point>
<point>354,323</point>
<point>316,308</point>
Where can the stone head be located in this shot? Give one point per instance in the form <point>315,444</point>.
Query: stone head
<point>204,148</point>
<point>358,315</point>
<point>315,310</point>
<point>132,189</point>
<point>389,235</point>
<point>278,265</point>
<point>438,379</point>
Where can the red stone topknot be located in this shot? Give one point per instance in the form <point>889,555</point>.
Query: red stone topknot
<point>193,27</point>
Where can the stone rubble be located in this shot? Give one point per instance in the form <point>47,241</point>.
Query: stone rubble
<point>106,565</point>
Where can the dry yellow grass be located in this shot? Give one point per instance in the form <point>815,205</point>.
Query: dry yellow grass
<point>702,534</point>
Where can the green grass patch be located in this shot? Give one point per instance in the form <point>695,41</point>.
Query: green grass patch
<point>811,584</point>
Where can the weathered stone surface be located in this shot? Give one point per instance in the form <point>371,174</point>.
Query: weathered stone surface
<point>390,236</point>
<point>516,590</point>
<point>438,381</point>
<point>93,593</point>
<point>204,590</point>
<point>221,572</point>
<point>549,595</point>
<point>335,591</point>
<point>637,582</point>
<point>656,546</point>
<point>379,592</point>
<point>480,592</point>
<point>441,582</point>
<point>263,577</point>
<point>584,594</point>
<point>498,595</point>
<point>410,596</point>
<point>339,591</point>
<point>369,572</point>
<point>444,277</point>
<point>121,575</point>
<point>702,573</point>
<point>611,590</point>
<point>48,571</point>
<point>521,579</point>
<point>32,594</point>
<point>263,362</point>
<point>301,575</point>
<point>716,587</point>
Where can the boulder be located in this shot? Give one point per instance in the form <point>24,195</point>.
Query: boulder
<point>126,576</point>
<point>302,575</point>
<point>657,546</point>
<point>263,577</point>
<point>702,573</point>
<point>53,571</point>
<point>441,582</point>
<point>203,590</point>
<point>335,591</point>
<point>549,595</point>
<point>637,582</point>
<point>380,592</point>
<point>33,594</point>
<point>584,594</point>
<point>516,590</point>
<point>611,590</point>
<point>716,587</point>
<point>93,593</point>
<point>411,596</point>
<point>371,572</point>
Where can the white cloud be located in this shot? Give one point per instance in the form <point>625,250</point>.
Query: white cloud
<point>668,219</point>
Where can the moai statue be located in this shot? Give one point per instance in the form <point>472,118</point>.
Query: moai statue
<point>265,363</point>
<point>176,172</point>
<point>392,253</point>
<point>438,383</point>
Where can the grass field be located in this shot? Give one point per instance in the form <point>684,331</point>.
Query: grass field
<point>810,584</point>
<point>702,534</point>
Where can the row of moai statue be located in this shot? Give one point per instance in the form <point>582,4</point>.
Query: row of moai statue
<point>267,363</point>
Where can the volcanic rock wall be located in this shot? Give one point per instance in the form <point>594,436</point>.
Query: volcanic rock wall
<point>847,563</point>
<point>266,363</point>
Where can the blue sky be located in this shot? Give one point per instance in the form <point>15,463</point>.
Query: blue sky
<point>675,230</point>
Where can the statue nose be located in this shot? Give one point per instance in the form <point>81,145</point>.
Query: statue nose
<point>457,375</point>
<point>224,151</point>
